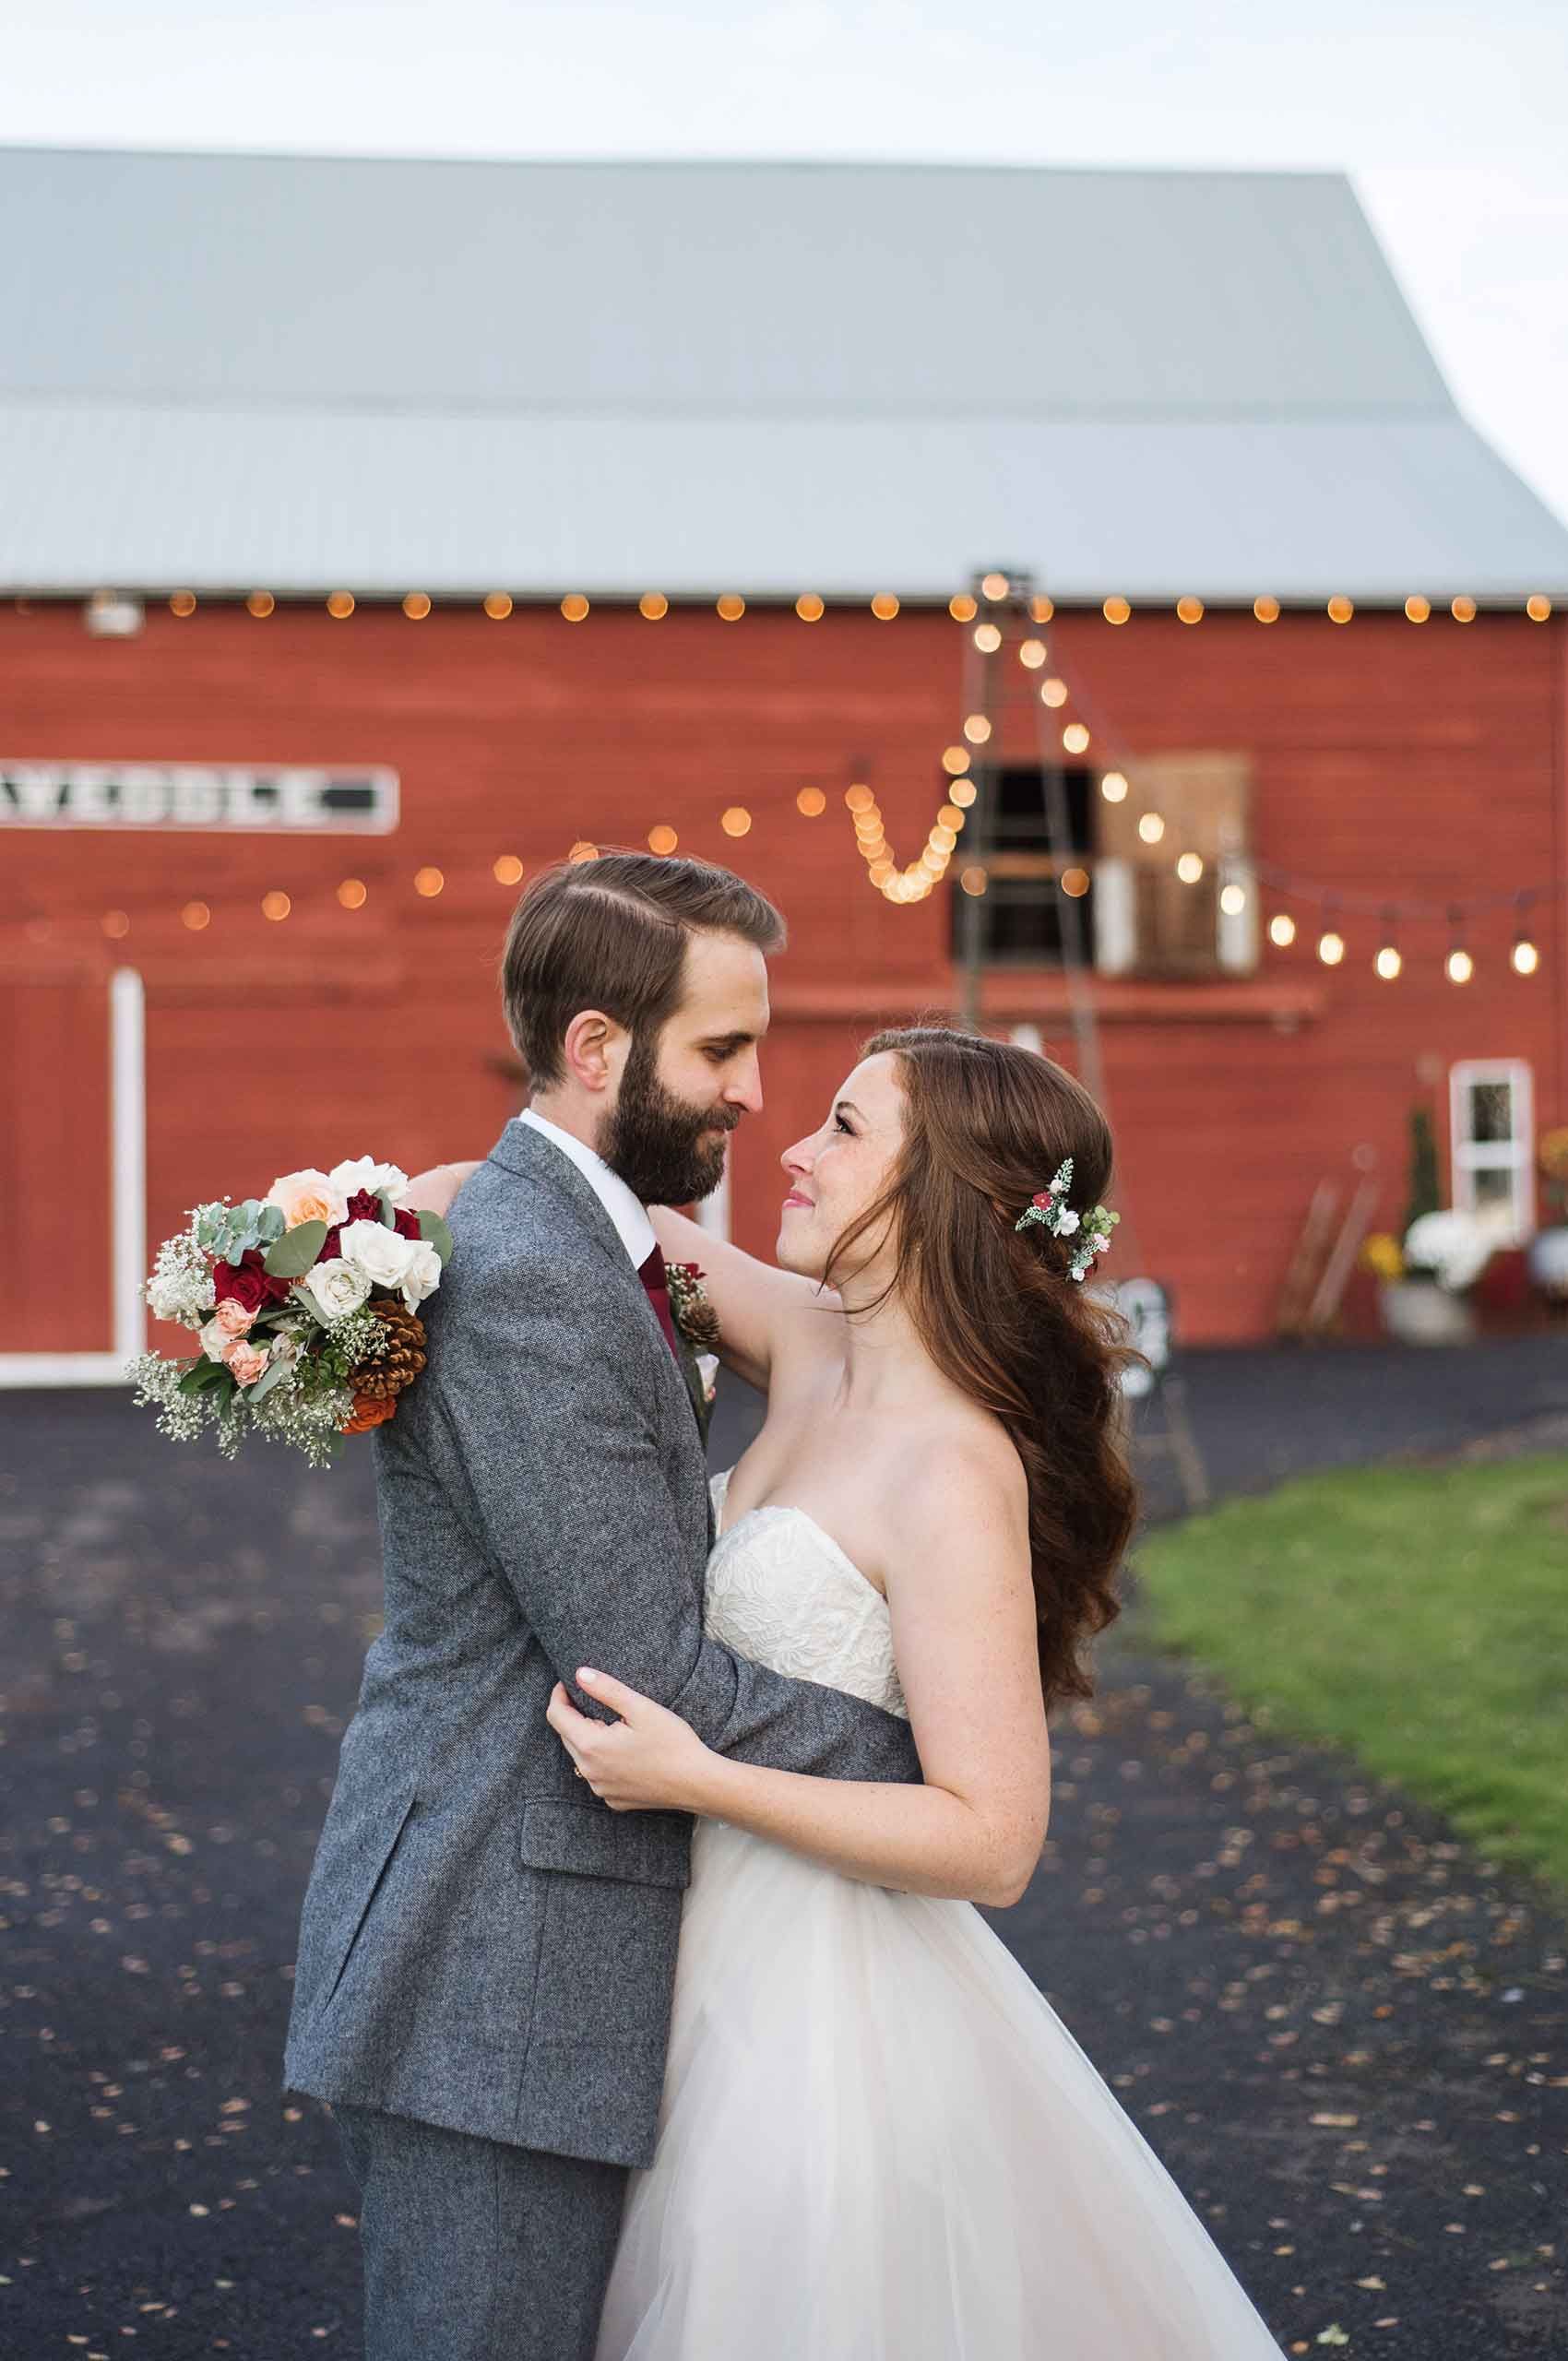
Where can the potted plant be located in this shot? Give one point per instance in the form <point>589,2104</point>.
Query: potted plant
<point>1549,1248</point>
<point>1425,1275</point>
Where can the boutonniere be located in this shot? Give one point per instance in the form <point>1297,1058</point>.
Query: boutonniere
<point>693,1313</point>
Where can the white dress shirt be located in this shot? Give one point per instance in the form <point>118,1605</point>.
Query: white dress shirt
<point>628,1212</point>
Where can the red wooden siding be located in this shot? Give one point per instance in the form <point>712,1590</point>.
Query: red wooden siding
<point>1386,758</point>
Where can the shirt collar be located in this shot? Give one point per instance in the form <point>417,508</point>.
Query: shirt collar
<point>627,1211</point>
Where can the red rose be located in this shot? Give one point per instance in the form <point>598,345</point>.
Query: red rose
<point>406,1224</point>
<point>248,1283</point>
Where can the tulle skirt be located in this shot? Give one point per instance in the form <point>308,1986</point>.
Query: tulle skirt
<point>879,2142</point>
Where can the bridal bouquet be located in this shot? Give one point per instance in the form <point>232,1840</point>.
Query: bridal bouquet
<point>304,1304</point>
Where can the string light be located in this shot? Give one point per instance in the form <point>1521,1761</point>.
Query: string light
<point>260,603</point>
<point>736,821</point>
<point>1189,611</point>
<point>1116,611</point>
<point>1053,692</point>
<point>956,760</point>
<point>416,606</point>
<point>183,602</point>
<point>1151,827</point>
<point>1340,610</point>
<point>1418,609</point>
<point>977,729</point>
<point>731,607</point>
<point>962,792</point>
<point>1462,611</point>
<point>1233,899</point>
<point>662,840</point>
<point>994,585</point>
<point>884,606</point>
<point>1267,610</point>
<point>340,605</point>
<point>351,894</point>
<point>497,605</point>
<point>276,906</point>
<point>859,798</point>
<point>1331,947</point>
<point>1524,958</point>
<point>1459,964</point>
<point>1113,786</point>
<point>1189,867</point>
<point>195,915</point>
<point>1075,738</point>
<point>653,606</point>
<point>812,802</point>
<point>1538,609</point>
<point>963,610</point>
<point>507,869</point>
<point>809,607</point>
<point>1031,655</point>
<point>1282,929</point>
<point>428,883</point>
<point>988,639</point>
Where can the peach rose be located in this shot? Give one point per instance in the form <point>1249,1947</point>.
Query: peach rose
<point>308,1196</point>
<point>246,1361</point>
<point>233,1318</point>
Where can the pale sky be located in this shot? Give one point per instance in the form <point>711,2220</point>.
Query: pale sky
<point>1452,121</point>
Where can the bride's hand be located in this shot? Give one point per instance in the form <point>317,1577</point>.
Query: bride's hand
<point>433,1191</point>
<point>650,1760</point>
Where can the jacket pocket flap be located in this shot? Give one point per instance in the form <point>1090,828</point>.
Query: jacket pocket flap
<point>588,1840</point>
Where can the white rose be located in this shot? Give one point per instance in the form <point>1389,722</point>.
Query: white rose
<point>423,1274</point>
<point>378,1252</point>
<point>215,1340</point>
<point>363,1172</point>
<point>336,1287</point>
<point>1067,1223</point>
<point>308,1196</point>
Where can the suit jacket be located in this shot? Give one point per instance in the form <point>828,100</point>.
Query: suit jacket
<point>484,1945</point>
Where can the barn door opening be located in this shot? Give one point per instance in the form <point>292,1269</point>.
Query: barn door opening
<point>73,1159</point>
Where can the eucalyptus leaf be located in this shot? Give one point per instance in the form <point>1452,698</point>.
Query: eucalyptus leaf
<point>434,1230</point>
<point>290,1256</point>
<point>273,1374</point>
<point>270,1223</point>
<point>388,1211</point>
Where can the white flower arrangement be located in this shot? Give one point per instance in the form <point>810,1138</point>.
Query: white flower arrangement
<point>293,1298</point>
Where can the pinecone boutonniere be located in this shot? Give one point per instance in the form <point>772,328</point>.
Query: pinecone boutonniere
<point>693,1313</point>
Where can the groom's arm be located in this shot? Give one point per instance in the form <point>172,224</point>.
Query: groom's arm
<point>559,1457</point>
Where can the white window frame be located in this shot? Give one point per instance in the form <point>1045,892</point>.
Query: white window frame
<point>1515,1154</point>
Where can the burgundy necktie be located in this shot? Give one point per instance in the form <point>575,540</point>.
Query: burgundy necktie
<point>656,1279</point>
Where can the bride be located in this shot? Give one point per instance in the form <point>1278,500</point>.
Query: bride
<point>878,2142</point>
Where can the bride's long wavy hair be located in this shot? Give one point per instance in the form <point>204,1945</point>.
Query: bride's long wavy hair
<point>986,1125</point>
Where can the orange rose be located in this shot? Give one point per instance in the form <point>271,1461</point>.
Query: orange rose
<point>368,1413</point>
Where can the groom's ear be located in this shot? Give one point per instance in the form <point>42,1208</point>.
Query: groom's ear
<point>594,1049</point>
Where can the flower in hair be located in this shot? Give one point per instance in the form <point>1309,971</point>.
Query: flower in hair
<point>1050,1208</point>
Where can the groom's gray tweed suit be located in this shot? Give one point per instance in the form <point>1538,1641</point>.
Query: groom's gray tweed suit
<point>487,1954</point>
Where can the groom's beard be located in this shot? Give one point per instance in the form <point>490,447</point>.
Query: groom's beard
<point>655,1140</point>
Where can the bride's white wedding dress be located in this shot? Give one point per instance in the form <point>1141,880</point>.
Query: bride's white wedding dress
<point>879,2142</point>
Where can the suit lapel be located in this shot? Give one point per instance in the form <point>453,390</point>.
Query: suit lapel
<point>528,1154</point>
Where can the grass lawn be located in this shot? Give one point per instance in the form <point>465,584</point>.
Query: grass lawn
<point>1416,1617</point>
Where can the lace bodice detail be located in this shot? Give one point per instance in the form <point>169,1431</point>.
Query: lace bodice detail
<point>780,1591</point>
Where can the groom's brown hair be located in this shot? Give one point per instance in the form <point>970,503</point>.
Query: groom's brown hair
<point>611,934</point>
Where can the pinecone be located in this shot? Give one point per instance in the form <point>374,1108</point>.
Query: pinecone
<point>398,1360</point>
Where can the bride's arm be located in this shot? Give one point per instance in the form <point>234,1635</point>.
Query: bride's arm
<point>432,1190</point>
<point>755,1302</point>
<point>965,1634</point>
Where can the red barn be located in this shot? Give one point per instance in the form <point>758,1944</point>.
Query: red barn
<point>376,532</point>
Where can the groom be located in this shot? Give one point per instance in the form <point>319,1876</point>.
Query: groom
<point>487,1954</point>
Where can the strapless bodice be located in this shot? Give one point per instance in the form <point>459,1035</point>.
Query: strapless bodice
<point>781,1591</point>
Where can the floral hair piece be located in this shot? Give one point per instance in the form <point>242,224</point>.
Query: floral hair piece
<point>1051,1209</point>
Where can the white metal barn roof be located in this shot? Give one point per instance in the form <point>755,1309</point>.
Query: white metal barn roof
<point>302,374</point>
